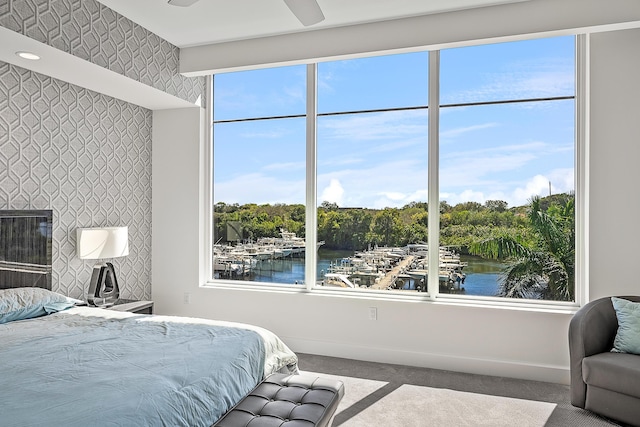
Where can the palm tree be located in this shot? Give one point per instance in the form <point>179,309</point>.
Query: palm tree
<point>542,267</point>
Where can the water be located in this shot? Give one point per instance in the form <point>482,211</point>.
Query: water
<point>482,275</point>
<point>291,270</point>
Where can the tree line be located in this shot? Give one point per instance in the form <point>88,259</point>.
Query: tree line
<point>537,240</point>
<point>358,228</point>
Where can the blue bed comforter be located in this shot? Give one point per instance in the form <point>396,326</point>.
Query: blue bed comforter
<point>88,366</point>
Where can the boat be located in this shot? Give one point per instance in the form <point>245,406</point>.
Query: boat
<point>399,268</point>
<point>287,242</point>
<point>340,280</point>
<point>234,261</point>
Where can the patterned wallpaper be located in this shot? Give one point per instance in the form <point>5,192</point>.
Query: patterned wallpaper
<point>91,31</point>
<point>86,156</point>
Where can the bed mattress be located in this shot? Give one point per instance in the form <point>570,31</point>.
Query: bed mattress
<point>88,366</point>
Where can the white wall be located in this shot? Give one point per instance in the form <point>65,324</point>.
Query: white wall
<point>481,25</point>
<point>175,195</point>
<point>499,341</point>
<point>615,159</point>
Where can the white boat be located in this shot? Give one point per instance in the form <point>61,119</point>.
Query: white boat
<point>288,241</point>
<point>376,264</point>
<point>339,280</point>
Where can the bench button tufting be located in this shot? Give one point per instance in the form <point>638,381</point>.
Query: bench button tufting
<point>325,406</point>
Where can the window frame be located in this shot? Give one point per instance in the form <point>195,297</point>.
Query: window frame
<point>581,163</point>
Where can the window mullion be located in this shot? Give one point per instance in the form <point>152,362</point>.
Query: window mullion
<point>581,170</point>
<point>311,220</point>
<point>206,270</point>
<point>433,181</point>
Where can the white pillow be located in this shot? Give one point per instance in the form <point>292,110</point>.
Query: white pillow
<point>25,303</point>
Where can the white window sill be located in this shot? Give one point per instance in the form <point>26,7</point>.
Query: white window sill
<point>559,307</point>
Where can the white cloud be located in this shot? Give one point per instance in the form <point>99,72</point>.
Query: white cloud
<point>561,181</point>
<point>333,193</point>
<point>386,183</point>
<point>365,127</point>
<point>391,195</point>
<point>537,185</point>
<point>392,199</point>
<point>465,196</point>
<point>453,133</point>
<point>340,161</point>
<point>475,169</point>
<point>399,144</point>
<point>271,134</point>
<point>500,173</point>
<point>259,188</point>
<point>521,81</point>
<point>486,167</point>
<point>295,94</point>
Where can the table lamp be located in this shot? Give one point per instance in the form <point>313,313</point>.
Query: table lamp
<point>103,243</point>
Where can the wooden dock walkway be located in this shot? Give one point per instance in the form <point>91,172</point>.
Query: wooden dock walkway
<point>387,280</point>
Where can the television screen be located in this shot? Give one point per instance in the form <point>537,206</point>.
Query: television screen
<point>25,248</point>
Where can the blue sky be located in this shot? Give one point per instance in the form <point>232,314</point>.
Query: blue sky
<point>508,152</point>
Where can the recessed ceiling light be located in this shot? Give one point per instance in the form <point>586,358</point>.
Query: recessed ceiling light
<point>28,55</point>
<point>181,3</point>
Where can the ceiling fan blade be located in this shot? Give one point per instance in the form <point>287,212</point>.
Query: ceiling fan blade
<point>308,12</point>
<point>181,3</point>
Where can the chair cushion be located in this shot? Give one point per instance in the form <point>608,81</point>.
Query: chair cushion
<point>619,372</point>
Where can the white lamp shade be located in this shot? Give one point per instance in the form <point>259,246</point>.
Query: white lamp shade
<point>105,242</point>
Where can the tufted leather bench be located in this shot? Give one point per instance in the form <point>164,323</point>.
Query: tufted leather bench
<point>284,400</point>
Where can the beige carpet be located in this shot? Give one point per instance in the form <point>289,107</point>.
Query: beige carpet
<point>415,406</point>
<point>387,395</point>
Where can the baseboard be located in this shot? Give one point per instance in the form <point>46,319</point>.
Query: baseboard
<point>471,365</point>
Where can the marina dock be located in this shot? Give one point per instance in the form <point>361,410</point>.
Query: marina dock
<point>388,280</point>
<point>376,268</point>
<point>396,268</point>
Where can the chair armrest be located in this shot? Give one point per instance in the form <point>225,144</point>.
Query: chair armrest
<point>591,331</point>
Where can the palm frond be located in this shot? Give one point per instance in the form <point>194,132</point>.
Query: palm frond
<point>552,236</point>
<point>501,247</point>
<point>521,280</point>
<point>543,268</point>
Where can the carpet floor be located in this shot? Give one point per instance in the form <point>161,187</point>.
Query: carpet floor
<point>379,394</point>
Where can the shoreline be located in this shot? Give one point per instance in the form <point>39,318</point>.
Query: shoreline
<point>481,275</point>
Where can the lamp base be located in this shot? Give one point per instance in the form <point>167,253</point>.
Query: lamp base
<point>103,289</point>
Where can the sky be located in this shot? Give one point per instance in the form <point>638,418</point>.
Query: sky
<point>504,152</point>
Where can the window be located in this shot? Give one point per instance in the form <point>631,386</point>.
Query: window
<point>371,159</point>
<point>259,175</point>
<point>505,170</point>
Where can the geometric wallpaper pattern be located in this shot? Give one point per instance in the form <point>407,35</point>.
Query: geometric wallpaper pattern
<point>85,155</point>
<point>93,32</point>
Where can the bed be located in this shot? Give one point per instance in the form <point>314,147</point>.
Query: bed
<point>66,365</point>
<point>81,366</point>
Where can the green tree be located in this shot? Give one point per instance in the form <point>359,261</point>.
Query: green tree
<point>543,263</point>
<point>330,206</point>
<point>386,227</point>
<point>496,205</point>
<point>468,206</point>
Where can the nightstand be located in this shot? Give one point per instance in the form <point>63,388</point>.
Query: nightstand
<point>133,306</point>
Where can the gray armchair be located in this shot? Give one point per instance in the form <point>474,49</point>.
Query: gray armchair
<point>601,381</point>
